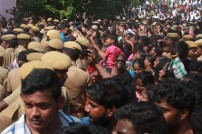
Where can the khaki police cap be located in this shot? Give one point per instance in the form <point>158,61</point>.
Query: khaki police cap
<point>173,35</point>
<point>154,23</point>
<point>71,23</point>
<point>34,56</point>
<point>49,19</point>
<point>55,20</point>
<point>41,24</point>
<point>49,28</point>
<point>26,68</point>
<point>99,20</point>
<point>199,42</point>
<point>144,22</point>
<point>37,47</point>
<point>30,25</point>
<point>54,34</point>
<point>199,36</point>
<point>72,45</point>
<point>96,22</point>
<point>187,37</point>
<point>8,37</point>
<point>2,51</point>
<point>122,23</point>
<point>18,30</point>
<point>191,44</point>
<point>24,26</point>
<point>83,41</point>
<point>23,36</point>
<point>53,31</point>
<point>35,29</point>
<point>94,27</point>
<point>57,60</point>
<point>56,43</point>
<point>71,28</point>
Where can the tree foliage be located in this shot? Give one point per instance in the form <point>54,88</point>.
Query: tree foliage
<point>70,8</point>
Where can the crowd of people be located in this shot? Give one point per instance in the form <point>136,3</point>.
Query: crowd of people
<point>127,75</point>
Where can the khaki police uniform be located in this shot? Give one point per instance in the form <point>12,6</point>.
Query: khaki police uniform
<point>19,49</point>
<point>13,80</point>
<point>12,113</point>
<point>5,122</point>
<point>13,96</point>
<point>3,74</point>
<point>14,110</point>
<point>81,63</point>
<point>2,92</point>
<point>62,62</point>
<point>9,56</point>
<point>77,80</point>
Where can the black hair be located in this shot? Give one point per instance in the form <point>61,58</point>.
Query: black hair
<point>113,37</point>
<point>40,80</point>
<point>193,82</point>
<point>142,54</point>
<point>121,55</point>
<point>196,66</point>
<point>175,93</point>
<point>146,78</point>
<point>151,59</point>
<point>108,93</point>
<point>182,49</point>
<point>157,49</point>
<point>163,60</point>
<point>196,121</point>
<point>62,26</point>
<point>72,53</point>
<point>77,128</point>
<point>140,62</point>
<point>22,56</point>
<point>138,47</point>
<point>144,116</point>
<point>145,40</point>
<point>127,50</point>
<point>12,43</point>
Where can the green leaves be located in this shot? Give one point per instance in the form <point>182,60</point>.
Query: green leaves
<point>69,8</point>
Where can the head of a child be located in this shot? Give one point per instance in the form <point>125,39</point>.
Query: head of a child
<point>111,39</point>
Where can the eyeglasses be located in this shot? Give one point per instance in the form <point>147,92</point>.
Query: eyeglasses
<point>120,61</point>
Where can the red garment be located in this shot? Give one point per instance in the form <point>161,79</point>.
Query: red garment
<point>92,69</point>
<point>111,53</point>
<point>164,3</point>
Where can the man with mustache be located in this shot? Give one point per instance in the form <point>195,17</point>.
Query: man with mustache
<point>41,93</point>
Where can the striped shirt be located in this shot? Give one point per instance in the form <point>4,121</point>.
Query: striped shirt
<point>178,68</point>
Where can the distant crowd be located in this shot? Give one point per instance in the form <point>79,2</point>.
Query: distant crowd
<point>126,75</point>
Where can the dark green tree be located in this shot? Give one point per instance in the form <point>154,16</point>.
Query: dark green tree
<point>70,8</point>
